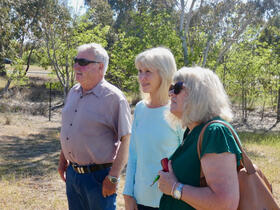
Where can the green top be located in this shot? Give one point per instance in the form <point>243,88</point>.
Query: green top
<point>186,165</point>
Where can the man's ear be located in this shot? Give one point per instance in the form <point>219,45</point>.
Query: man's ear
<point>101,68</point>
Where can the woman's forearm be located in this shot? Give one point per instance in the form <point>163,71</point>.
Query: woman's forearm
<point>205,198</point>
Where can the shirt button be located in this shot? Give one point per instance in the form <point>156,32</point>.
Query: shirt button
<point>70,124</point>
<point>75,110</point>
<point>67,138</point>
<point>81,96</point>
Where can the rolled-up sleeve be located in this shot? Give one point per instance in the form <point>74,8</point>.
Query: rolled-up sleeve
<point>124,119</point>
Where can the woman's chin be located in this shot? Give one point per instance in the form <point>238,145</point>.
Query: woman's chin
<point>145,90</point>
<point>177,114</point>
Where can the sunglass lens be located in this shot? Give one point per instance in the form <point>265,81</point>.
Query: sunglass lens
<point>178,87</point>
<point>81,61</point>
<point>171,87</point>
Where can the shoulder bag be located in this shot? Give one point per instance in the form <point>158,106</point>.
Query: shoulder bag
<point>255,190</point>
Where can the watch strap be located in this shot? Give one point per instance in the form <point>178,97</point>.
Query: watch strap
<point>177,194</point>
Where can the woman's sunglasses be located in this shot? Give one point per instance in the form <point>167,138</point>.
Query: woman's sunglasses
<point>177,87</point>
<point>83,61</point>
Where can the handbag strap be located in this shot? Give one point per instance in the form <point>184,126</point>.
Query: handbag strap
<point>246,162</point>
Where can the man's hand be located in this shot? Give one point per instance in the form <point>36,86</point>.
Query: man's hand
<point>108,188</point>
<point>62,166</point>
<point>130,203</point>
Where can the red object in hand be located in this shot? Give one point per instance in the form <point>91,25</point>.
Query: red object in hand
<point>164,164</point>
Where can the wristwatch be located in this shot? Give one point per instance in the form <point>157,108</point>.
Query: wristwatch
<point>113,179</point>
<point>177,194</point>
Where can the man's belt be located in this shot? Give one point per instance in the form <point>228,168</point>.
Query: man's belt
<point>89,168</point>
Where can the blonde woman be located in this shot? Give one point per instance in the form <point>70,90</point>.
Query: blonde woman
<point>152,138</point>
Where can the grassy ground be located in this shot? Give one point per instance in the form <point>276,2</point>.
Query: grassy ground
<point>29,149</point>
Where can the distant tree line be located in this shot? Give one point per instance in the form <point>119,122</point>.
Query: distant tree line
<point>239,40</point>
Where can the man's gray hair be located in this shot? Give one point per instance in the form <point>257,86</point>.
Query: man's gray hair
<point>99,52</point>
<point>206,97</point>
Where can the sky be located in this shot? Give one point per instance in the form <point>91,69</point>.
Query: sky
<point>77,6</point>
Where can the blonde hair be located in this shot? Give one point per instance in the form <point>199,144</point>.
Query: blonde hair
<point>98,51</point>
<point>206,96</point>
<point>161,60</point>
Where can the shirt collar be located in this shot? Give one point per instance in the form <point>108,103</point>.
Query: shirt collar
<point>97,90</point>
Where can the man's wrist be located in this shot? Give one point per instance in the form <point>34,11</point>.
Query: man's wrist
<point>114,179</point>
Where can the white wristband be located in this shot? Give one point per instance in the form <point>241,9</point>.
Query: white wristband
<point>173,186</point>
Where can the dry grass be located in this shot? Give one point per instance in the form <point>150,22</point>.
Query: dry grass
<point>34,71</point>
<point>265,153</point>
<point>29,150</point>
<point>44,192</point>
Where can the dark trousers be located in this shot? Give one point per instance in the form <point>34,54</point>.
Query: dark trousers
<point>142,207</point>
<point>84,191</point>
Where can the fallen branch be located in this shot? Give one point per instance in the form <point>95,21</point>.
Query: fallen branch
<point>57,106</point>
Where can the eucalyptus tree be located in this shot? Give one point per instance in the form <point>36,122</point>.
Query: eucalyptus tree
<point>252,73</point>
<point>146,30</point>
<point>217,24</point>
<point>100,12</point>
<point>6,28</point>
<point>271,37</point>
<point>242,75</point>
<point>62,35</point>
<point>20,23</point>
<point>56,29</point>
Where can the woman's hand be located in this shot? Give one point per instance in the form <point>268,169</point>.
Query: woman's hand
<point>130,203</point>
<point>167,180</point>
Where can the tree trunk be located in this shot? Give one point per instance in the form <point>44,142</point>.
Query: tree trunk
<point>28,60</point>
<point>242,102</point>
<point>6,87</point>
<point>184,30</point>
<point>205,53</point>
<point>278,106</point>
<point>244,105</point>
<point>2,70</point>
<point>262,114</point>
<point>185,50</point>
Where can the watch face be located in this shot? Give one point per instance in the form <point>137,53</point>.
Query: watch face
<point>177,194</point>
<point>114,180</point>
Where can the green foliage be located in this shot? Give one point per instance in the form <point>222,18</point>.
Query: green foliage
<point>151,31</point>
<point>54,86</point>
<point>231,38</point>
<point>250,71</point>
<point>84,32</point>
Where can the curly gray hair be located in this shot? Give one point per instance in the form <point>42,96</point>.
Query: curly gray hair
<point>206,96</point>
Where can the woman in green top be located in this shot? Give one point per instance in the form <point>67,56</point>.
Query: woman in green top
<point>198,97</point>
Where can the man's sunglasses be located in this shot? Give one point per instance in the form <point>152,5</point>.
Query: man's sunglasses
<point>177,87</point>
<point>83,61</point>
